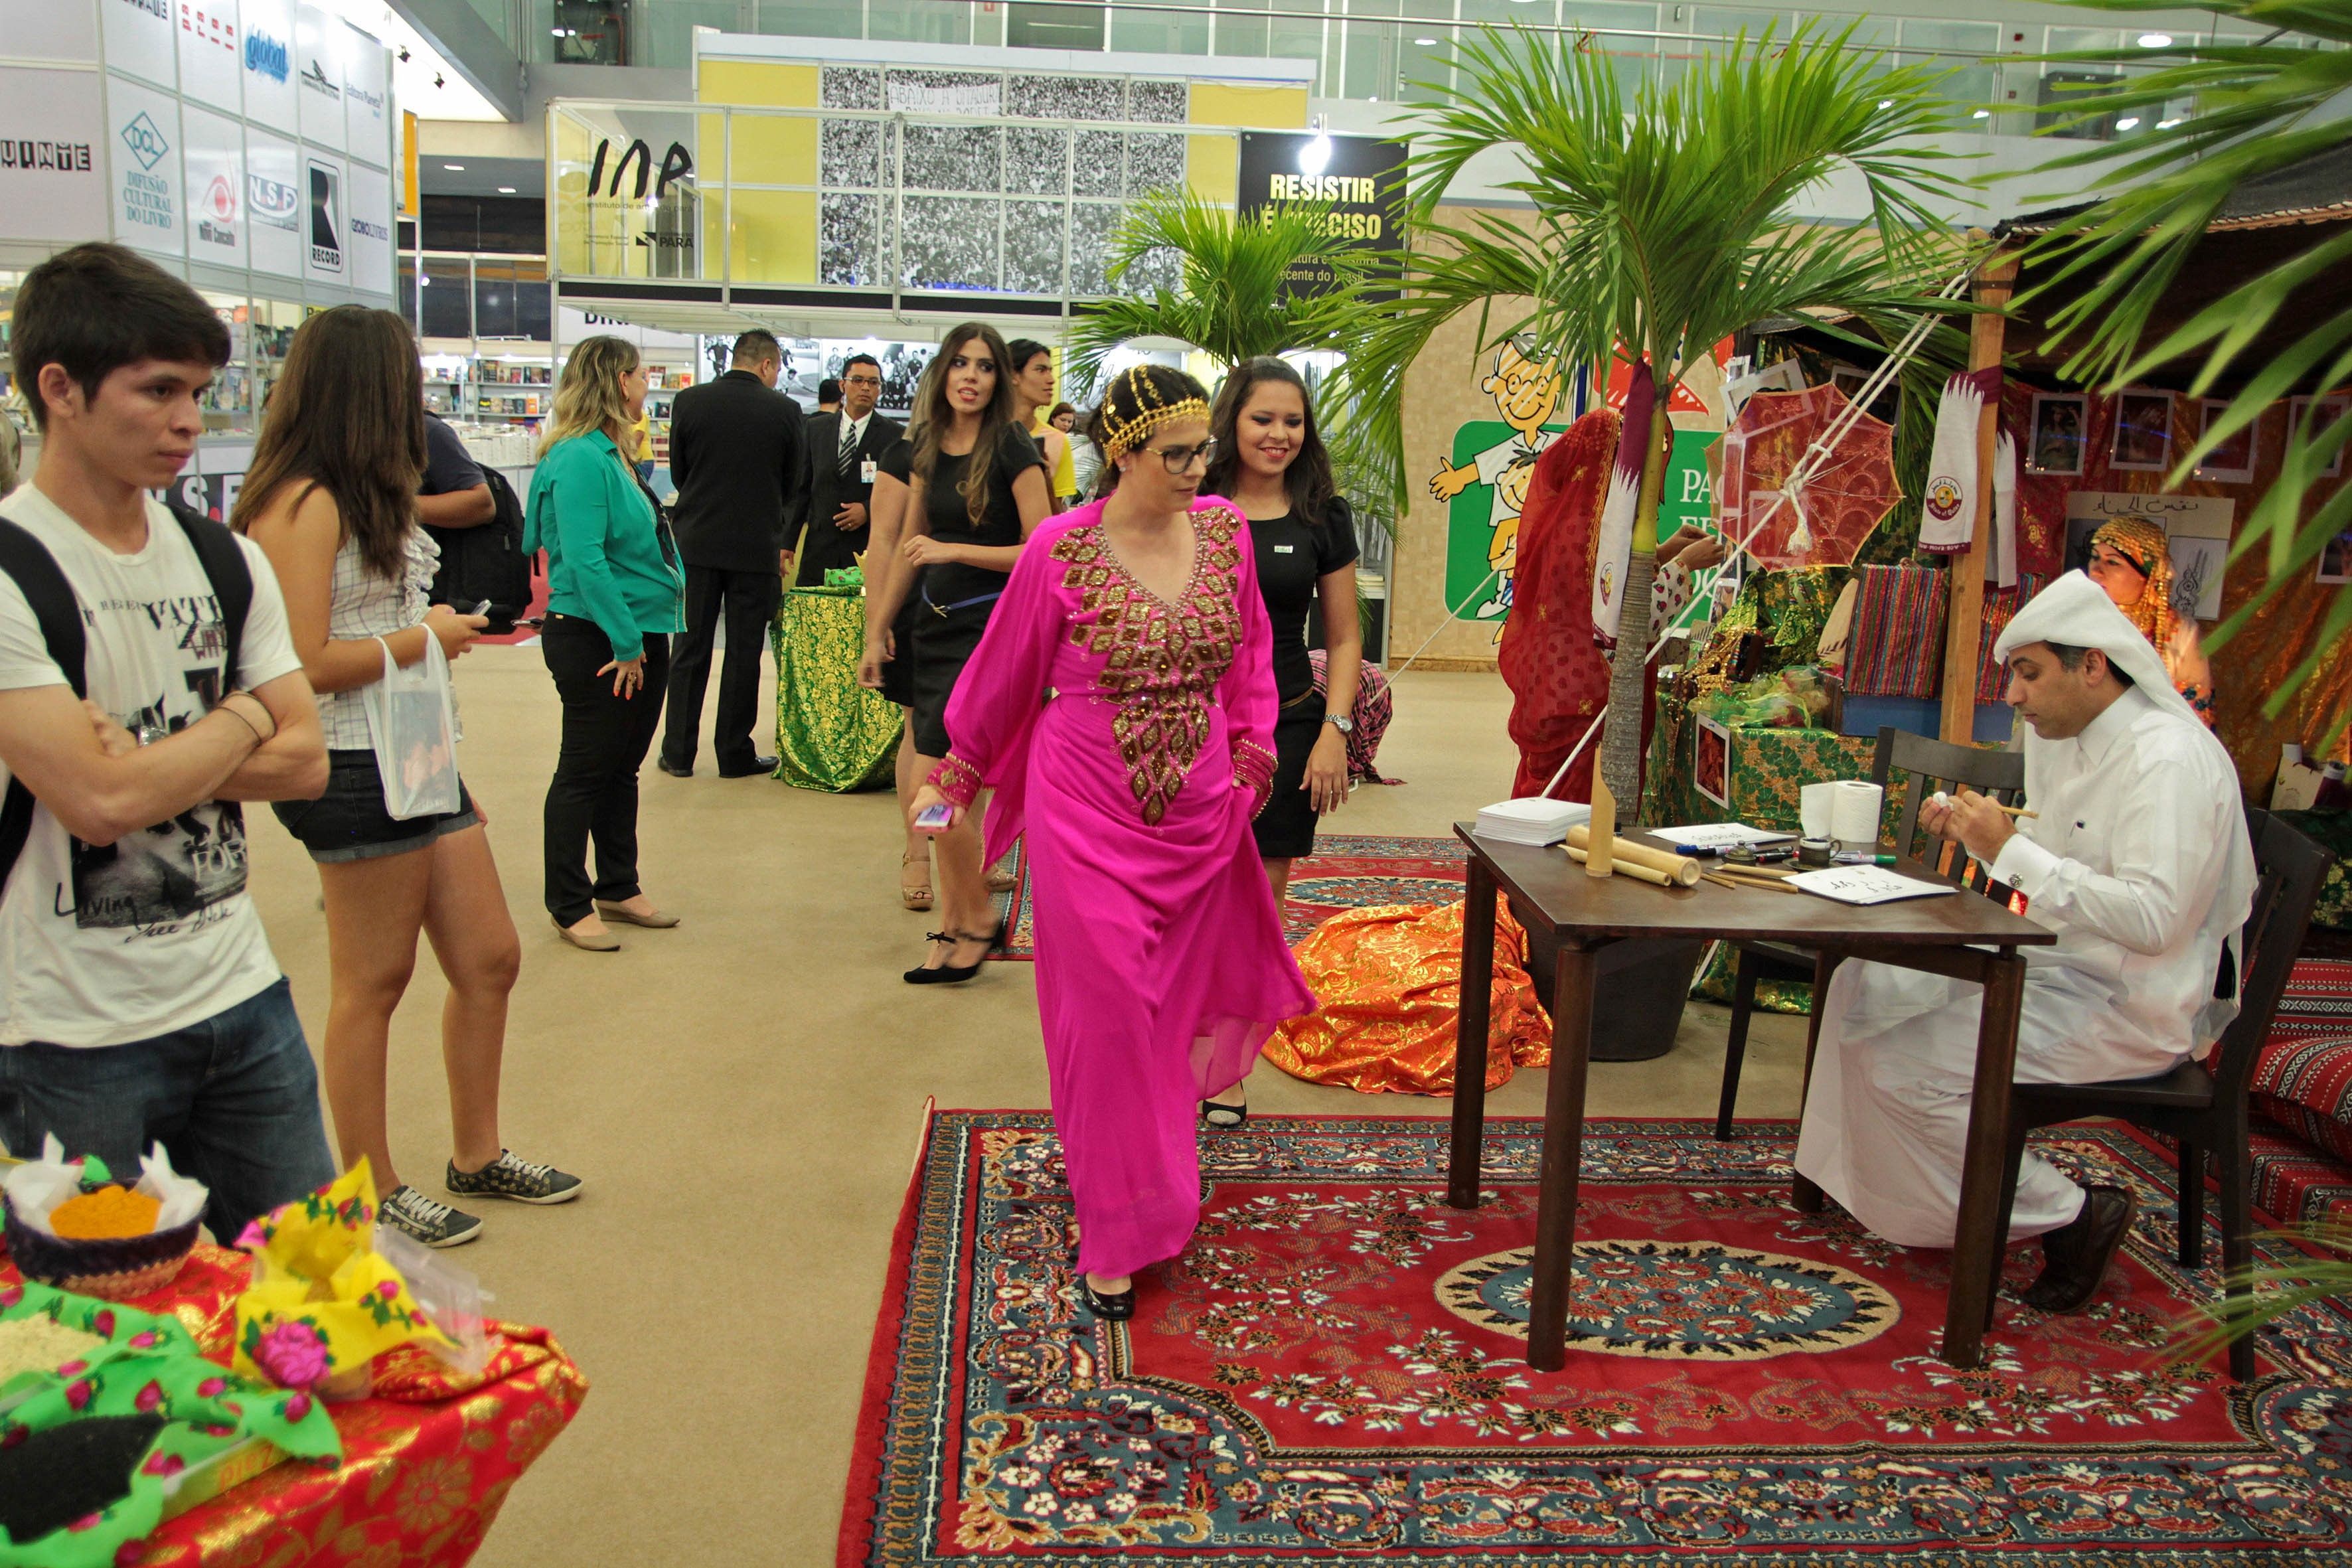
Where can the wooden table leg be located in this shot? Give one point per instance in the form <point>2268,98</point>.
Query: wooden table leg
<point>1975,1261</point>
<point>1471,1019</point>
<point>1563,1148</point>
<point>1802,1192</point>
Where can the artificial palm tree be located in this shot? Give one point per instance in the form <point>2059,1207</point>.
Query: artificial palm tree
<point>1664,223</point>
<point>2256,109</point>
<point>1231,299</point>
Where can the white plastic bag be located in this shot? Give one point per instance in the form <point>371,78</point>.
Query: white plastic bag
<point>413,725</point>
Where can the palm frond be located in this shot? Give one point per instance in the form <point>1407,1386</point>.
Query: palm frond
<point>2258,109</point>
<point>2274,1291</point>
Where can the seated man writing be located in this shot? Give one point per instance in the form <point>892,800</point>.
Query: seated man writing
<point>2137,858</point>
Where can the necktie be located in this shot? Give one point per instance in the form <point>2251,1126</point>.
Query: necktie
<point>848,453</point>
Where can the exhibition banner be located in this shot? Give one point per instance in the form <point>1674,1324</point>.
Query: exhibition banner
<point>326,257</point>
<point>321,44</point>
<point>213,157</point>
<point>366,100</point>
<point>266,54</point>
<point>143,144</point>
<point>47,32</point>
<point>210,60</point>
<point>367,229</point>
<point>1360,179</point>
<point>139,39</point>
<point>53,163</point>
<point>277,208</point>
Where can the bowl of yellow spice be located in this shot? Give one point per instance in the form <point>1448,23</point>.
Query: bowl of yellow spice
<point>79,1228</point>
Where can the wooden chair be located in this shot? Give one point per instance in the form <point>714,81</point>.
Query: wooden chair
<point>1931,766</point>
<point>2203,1106</point>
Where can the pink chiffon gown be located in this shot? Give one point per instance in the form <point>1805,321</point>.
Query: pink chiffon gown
<point>1131,740</point>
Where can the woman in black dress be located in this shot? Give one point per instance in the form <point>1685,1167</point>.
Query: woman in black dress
<point>975,491</point>
<point>889,665</point>
<point>1272,465</point>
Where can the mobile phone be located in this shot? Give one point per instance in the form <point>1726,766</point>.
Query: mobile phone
<point>481,609</point>
<point>933,816</point>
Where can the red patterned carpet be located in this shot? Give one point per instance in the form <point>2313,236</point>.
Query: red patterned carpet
<point>1333,1370</point>
<point>1347,871</point>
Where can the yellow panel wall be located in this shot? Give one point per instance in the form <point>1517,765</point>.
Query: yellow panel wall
<point>774,236</point>
<point>1260,106</point>
<point>776,84</point>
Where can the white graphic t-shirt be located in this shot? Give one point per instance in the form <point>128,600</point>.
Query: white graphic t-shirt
<point>102,946</point>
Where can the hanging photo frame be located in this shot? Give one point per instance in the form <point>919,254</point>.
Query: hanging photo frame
<point>2336,559</point>
<point>2334,406</point>
<point>2054,444</point>
<point>2141,441</point>
<point>2231,462</point>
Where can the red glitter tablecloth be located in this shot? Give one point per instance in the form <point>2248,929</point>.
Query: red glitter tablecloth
<point>427,1459</point>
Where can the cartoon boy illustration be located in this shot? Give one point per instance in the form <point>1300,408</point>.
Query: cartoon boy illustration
<point>1526,388</point>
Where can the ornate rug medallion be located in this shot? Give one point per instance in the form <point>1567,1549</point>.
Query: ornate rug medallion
<point>1697,1300</point>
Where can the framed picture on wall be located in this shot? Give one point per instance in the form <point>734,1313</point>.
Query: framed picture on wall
<point>2231,462</point>
<point>2054,444</point>
<point>1711,760</point>
<point>2336,559</point>
<point>2332,408</point>
<point>2141,442</point>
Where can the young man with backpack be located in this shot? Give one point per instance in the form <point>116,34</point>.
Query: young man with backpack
<point>472,514</point>
<point>148,686</point>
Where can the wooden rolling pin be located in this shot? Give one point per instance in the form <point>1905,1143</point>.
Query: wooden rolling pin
<point>1674,871</point>
<point>1624,868</point>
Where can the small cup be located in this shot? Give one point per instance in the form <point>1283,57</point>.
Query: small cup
<point>1813,852</point>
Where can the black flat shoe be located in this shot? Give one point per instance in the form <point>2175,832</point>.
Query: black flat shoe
<point>2077,1255</point>
<point>1116,1308</point>
<point>946,974</point>
<point>760,765</point>
<point>1211,1111</point>
<point>673,770</point>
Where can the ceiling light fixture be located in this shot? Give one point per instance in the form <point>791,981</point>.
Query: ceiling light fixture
<point>1886,103</point>
<point>506,190</point>
<point>1316,156</point>
<point>2156,40</point>
<point>1981,114</point>
<point>455,168</point>
<point>2168,124</point>
<point>1424,43</point>
<point>2128,122</point>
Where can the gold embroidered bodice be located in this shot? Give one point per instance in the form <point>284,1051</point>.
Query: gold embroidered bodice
<point>1161,661</point>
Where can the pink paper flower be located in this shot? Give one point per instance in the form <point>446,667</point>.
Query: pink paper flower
<point>212,1387</point>
<point>102,1325</point>
<point>74,1368</point>
<point>148,1397</point>
<point>78,1394</point>
<point>144,1338</point>
<point>298,1407</point>
<point>293,1354</point>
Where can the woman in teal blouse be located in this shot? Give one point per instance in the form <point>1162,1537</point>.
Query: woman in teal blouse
<point>616,596</point>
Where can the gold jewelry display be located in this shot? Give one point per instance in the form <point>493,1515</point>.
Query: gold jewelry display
<point>1123,436</point>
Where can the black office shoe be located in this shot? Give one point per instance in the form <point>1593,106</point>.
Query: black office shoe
<point>760,765</point>
<point>673,770</point>
<point>2075,1257</point>
<point>1116,1308</point>
<point>951,974</point>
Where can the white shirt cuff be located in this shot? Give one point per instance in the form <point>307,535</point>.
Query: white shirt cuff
<point>2024,865</point>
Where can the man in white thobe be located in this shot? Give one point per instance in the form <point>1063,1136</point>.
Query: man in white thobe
<point>2137,858</point>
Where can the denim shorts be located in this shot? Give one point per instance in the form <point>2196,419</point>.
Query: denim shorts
<point>349,822</point>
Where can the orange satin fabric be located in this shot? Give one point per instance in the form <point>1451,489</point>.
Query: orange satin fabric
<point>1389,983</point>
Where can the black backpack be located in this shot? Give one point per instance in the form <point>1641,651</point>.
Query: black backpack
<point>43,583</point>
<point>486,562</point>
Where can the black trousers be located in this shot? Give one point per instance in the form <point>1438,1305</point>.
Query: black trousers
<point>748,600</point>
<point>594,791</point>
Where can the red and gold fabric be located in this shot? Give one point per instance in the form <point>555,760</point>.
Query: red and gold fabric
<point>1388,984</point>
<point>427,1459</point>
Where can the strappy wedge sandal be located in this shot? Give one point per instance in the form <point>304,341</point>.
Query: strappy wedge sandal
<point>915,899</point>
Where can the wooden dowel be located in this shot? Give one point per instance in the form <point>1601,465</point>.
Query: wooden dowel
<point>1626,868</point>
<point>1765,887</point>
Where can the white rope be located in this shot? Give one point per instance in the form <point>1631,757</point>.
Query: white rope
<point>1815,457</point>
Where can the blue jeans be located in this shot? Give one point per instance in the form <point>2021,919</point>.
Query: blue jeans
<point>233,1098</point>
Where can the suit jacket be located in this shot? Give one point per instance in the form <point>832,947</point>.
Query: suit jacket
<point>824,546</point>
<point>735,456</point>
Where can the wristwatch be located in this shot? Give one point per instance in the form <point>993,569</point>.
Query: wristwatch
<point>1346,725</point>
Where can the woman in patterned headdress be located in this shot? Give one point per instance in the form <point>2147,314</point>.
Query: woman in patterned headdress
<point>1122,705</point>
<point>2132,561</point>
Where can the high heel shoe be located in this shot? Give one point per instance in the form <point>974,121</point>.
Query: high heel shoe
<point>1211,1108</point>
<point>957,974</point>
<point>1116,1308</point>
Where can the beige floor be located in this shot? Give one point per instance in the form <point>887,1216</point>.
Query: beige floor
<point>743,1095</point>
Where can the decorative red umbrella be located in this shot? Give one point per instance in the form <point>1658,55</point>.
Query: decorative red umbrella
<point>1845,494</point>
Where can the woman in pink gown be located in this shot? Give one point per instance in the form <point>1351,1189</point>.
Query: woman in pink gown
<point>1122,705</point>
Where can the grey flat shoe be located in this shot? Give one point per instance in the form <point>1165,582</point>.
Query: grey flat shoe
<point>587,941</point>
<point>657,920</point>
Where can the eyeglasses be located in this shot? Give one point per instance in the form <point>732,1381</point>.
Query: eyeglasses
<point>861,381</point>
<point>1180,458</point>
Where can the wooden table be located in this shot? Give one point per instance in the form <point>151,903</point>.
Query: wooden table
<point>1964,936</point>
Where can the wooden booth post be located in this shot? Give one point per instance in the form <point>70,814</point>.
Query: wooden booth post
<point>1964,619</point>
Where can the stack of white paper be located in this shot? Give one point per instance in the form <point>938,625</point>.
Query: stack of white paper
<point>1534,820</point>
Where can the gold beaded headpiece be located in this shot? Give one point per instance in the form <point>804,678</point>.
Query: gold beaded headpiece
<point>1125,435</point>
<point>2145,545</point>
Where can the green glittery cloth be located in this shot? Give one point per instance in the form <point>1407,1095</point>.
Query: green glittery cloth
<point>832,733</point>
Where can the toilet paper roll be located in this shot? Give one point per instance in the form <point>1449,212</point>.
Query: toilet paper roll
<point>1814,808</point>
<point>1854,808</point>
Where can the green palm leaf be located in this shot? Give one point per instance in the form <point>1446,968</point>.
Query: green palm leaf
<point>1664,220</point>
<point>2259,109</point>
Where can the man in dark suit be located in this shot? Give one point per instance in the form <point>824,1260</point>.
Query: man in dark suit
<point>735,455</point>
<point>842,449</point>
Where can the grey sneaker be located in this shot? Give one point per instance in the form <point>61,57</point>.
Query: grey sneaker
<point>418,1218</point>
<point>524,1181</point>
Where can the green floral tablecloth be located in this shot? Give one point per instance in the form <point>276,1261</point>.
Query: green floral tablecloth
<point>830,732</point>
